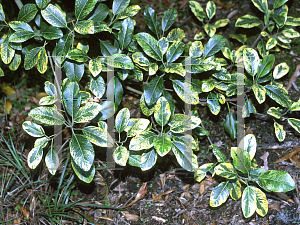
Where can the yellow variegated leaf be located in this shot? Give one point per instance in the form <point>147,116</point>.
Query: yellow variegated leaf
<point>196,49</point>
<point>176,34</point>
<point>136,126</point>
<point>275,112</point>
<point>210,29</point>
<point>121,155</point>
<point>290,33</point>
<point>162,111</point>
<point>42,61</point>
<point>147,111</point>
<point>142,141</point>
<point>186,92</point>
<point>295,123</point>
<point>271,43</point>
<point>280,70</point>
<point>261,202</point>
<point>34,157</point>
<point>219,194</point>
<point>240,37</point>
<point>95,66</point>
<point>279,131</point>
<point>259,92</point>
<point>7,52</point>
<point>175,68</point>
<point>199,36</point>
<point>153,67</point>
<point>248,21</point>
<point>235,190</point>
<point>221,23</point>
<point>202,170</point>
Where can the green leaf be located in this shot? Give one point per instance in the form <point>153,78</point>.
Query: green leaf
<point>241,160</point>
<point>271,43</point>
<point>221,157</point>
<point>51,33</point>
<point>135,158</point>
<point>279,131</point>
<point>2,14</point>
<point>101,26</point>
<point>265,65</point>
<point>139,58</point>
<point>278,3</point>
<point>210,9</point>
<point>86,176</point>
<point>71,98</point>
<point>122,119</point>
<point>164,44</point>
<point>261,201</point>
<point>198,65</point>
<point>213,103</point>
<point>50,89</point>
<point>295,123</point>
<point>259,92</point>
<point>83,8</point>
<point>64,45</point>
<point>280,70</point>
<point>196,49</point>
<point>226,170</point>
<point>175,68</point>
<point>20,26</point>
<point>42,61</point>
<point>83,45</point>
<point>162,112</point>
<point>210,29</point>
<point>119,5</point>
<point>151,20</point>
<point>148,159</point>
<point>85,27</point>
<point>34,157</point>
<point>290,33</point>
<point>21,36</point>
<point>248,143</point>
<point>142,141</point>
<point>175,51</point>
<point>230,125</point>
<point>7,52</point>
<point>219,194</point>
<point>47,115</point>
<point>95,66</point>
<point>275,112</point>
<point>235,190</point>
<point>82,151</point>
<point>176,34</point>
<point>183,155</point>
<point>15,63</point>
<point>74,70</point>
<point>54,16</point>
<point>120,61</point>
<point>251,61</point>
<point>31,58</point>
<point>126,33</point>
<point>168,19</point>
<point>100,13</point>
<point>162,145</point>
<point>248,21</point>
<point>87,112</point>
<point>97,136</point>
<point>248,202</point>
<point>77,55</point>
<point>240,37</point>
<point>118,91</point>
<point>278,94</point>
<point>186,92</point>
<point>221,23</point>
<point>295,106</point>
<point>97,86</point>
<point>153,90</point>
<point>277,181</point>
<point>262,5</point>
<point>27,13</point>
<point>42,4</point>
<point>47,100</point>
<point>181,123</point>
<point>33,129</point>
<point>150,45</point>
<point>280,15</point>
<point>52,161</point>
<point>136,126</point>
<point>292,21</point>
<point>187,139</point>
<point>202,170</point>
<point>214,44</point>
<point>129,12</point>
<point>147,111</point>
<point>106,112</point>
<point>121,155</point>
<point>197,10</point>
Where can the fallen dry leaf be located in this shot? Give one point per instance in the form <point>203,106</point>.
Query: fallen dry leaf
<point>7,89</point>
<point>141,193</point>
<point>104,218</point>
<point>284,196</point>
<point>8,106</point>
<point>162,179</point>
<point>289,156</point>
<point>295,160</point>
<point>17,221</point>
<point>264,157</point>
<point>164,193</point>
<point>159,219</point>
<point>131,217</point>
<point>41,95</point>
<point>24,211</point>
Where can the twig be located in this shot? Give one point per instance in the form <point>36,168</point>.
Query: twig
<point>19,3</point>
<point>259,36</point>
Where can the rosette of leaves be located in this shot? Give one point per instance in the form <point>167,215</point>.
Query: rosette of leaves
<point>205,18</point>
<point>277,28</point>
<point>76,111</point>
<point>244,170</point>
<point>168,134</point>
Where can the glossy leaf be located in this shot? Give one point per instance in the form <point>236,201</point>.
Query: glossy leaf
<point>280,70</point>
<point>121,155</point>
<point>266,65</point>
<point>219,194</point>
<point>183,155</point>
<point>248,202</point>
<point>2,14</point>
<point>33,129</point>
<point>295,123</point>
<point>235,190</point>
<point>42,61</point>
<point>175,51</point>
<point>77,55</point>
<point>221,23</point>
<point>151,20</point>
<point>74,70</point>
<point>213,103</point>
<point>97,136</point>
<point>85,27</point>
<point>148,159</point>
<point>261,201</point>
<point>51,33</point>
<point>210,9</point>
<point>162,145</point>
<point>214,44</point>
<point>54,16</point>
<point>262,5</point>
<point>146,110</point>
<point>122,119</point>
<point>153,90</point>
<point>47,115</point>
<point>150,46</point>
<point>83,8</point>
<point>197,10</point>
<point>31,58</point>
<point>95,66</point>
<point>162,112</point>
<point>248,143</point>
<point>176,34</point>
<point>52,161</point>
<point>119,5</point>
<point>230,125</point>
<point>271,43</point>
<point>277,181</point>
<point>275,112</point>
<point>196,49</point>
<point>168,18</point>
<point>136,126</point>
<point>181,123</point>
<point>15,63</point>
<point>202,170</point>
<point>186,92</point>
<point>100,13</point>
<point>129,12</point>
<point>278,3</point>
<point>97,86</point>
<point>120,61</point>
<point>34,157</point>
<point>126,32</point>
<point>226,170</point>
<point>42,3</point>
<point>221,157</point>
<point>259,92</point>
<point>47,100</point>
<point>7,52</point>
<point>279,131</point>
<point>27,13</point>
<point>86,176</point>
<point>248,21</point>
<point>87,112</point>
<point>164,44</point>
<point>251,61</point>
<point>21,36</point>
<point>71,98</point>
<point>142,141</point>
<point>278,94</point>
<point>175,68</point>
